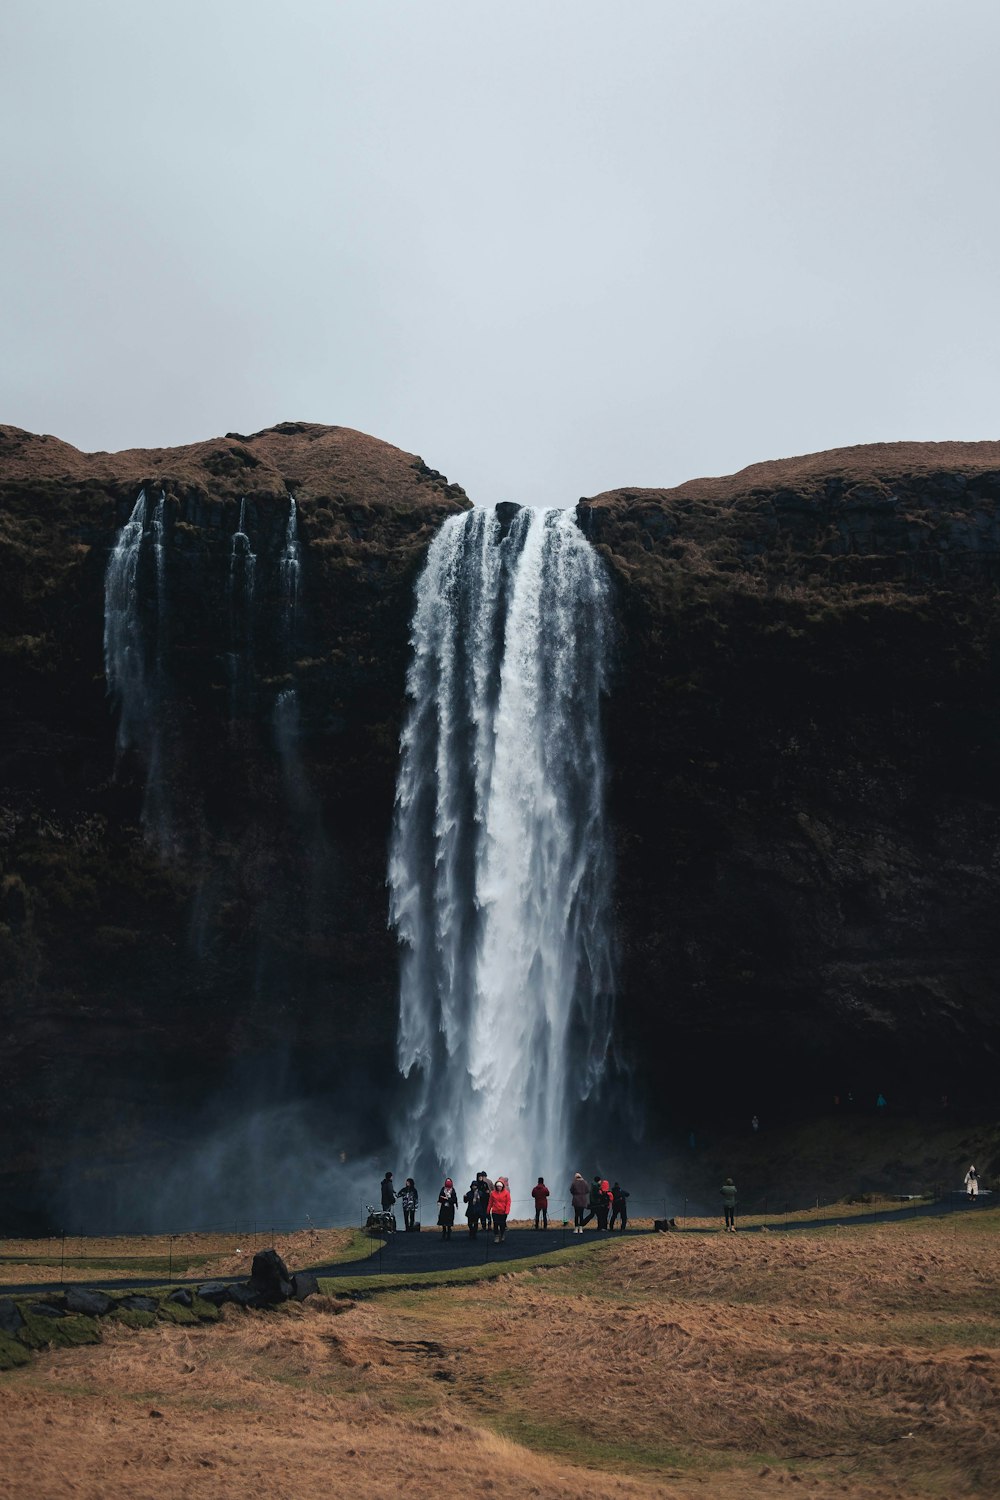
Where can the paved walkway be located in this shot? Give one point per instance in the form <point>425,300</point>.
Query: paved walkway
<point>411,1254</point>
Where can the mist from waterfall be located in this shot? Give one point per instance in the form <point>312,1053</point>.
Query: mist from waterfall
<point>499,869</point>
<point>133,662</point>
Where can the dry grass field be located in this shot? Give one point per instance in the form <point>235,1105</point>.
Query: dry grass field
<point>140,1256</point>
<point>861,1361</point>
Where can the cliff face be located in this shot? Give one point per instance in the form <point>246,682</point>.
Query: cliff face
<point>806,745</point>
<point>227,928</point>
<point>803,741</point>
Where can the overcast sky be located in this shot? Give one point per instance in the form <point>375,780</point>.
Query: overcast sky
<point>554,246</point>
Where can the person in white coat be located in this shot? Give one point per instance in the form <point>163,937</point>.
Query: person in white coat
<point>972,1184</point>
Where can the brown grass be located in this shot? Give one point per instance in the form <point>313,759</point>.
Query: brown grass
<point>137,1257</point>
<point>859,1362</point>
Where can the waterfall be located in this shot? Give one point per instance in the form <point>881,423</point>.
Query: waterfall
<point>242,575</point>
<point>124,652</point>
<point>288,570</point>
<point>499,870</point>
<point>132,667</point>
<point>242,564</point>
<point>286,705</point>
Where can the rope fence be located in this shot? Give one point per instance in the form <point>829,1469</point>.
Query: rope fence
<point>181,1252</point>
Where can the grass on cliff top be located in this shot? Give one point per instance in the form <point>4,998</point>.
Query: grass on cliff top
<point>860,1362</point>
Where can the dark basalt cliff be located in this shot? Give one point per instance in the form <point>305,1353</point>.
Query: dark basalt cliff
<point>803,740</point>
<point>240,943</point>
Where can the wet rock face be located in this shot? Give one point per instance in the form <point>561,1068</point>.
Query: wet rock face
<point>805,743</point>
<point>231,929</point>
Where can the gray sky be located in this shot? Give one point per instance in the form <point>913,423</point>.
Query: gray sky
<point>554,246</point>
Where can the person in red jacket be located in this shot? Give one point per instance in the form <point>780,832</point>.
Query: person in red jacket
<point>499,1209</point>
<point>540,1193</point>
<point>603,1204</point>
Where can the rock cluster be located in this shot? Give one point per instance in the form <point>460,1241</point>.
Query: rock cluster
<point>270,1283</point>
<point>72,1317</point>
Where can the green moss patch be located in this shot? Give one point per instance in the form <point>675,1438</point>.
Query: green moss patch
<point>12,1352</point>
<point>133,1317</point>
<point>41,1332</point>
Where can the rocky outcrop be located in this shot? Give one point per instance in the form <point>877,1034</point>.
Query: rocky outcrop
<point>805,742</point>
<point>803,739</point>
<point>241,943</point>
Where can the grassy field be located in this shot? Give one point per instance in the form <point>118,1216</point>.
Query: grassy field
<point>142,1256</point>
<point>860,1361</point>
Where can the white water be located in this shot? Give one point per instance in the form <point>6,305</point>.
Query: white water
<point>124,656</point>
<point>289,568</point>
<point>242,576</point>
<point>132,667</point>
<point>286,718</point>
<point>499,869</point>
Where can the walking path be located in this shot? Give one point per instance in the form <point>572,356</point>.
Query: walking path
<point>412,1254</point>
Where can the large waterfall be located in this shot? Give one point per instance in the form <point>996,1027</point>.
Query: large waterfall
<point>499,869</point>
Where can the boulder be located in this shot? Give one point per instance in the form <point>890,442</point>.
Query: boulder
<point>270,1277</point>
<point>215,1292</point>
<point>182,1297</point>
<point>304,1284</point>
<point>135,1302</point>
<point>80,1299</point>
<point>10,1315</point>
<point>47,1310</point>
<point>245,1294</point>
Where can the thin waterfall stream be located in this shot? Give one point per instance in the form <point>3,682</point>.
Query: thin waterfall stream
<point>500,870</point>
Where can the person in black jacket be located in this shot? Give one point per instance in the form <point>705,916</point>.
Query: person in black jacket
<point>447,1204</point>
<point>409,1198</point>
<point>619,1205</point>
<point>594,1205</point>
<point>472,1206</point>
<point>485,1189</point>
<point>388,1192</point>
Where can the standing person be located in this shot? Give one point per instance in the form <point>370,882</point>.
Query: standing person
<point>728,1191</point>
<point>388,1192</point>
<point>540,1193</point>
<point>619,1205</point>
<point>593,1201</point>
<point>448,1202</point>
<point>485,1189</point>
<point>603,1204</point>
<point>972,1183</point>
<point>579,1196</point>
<point>499,1209</point>
<point>409,1198</point>
<point>472,1201</point>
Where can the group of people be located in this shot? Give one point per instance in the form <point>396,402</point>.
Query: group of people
<point>487,1204</point>
<point>601,1200</point>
